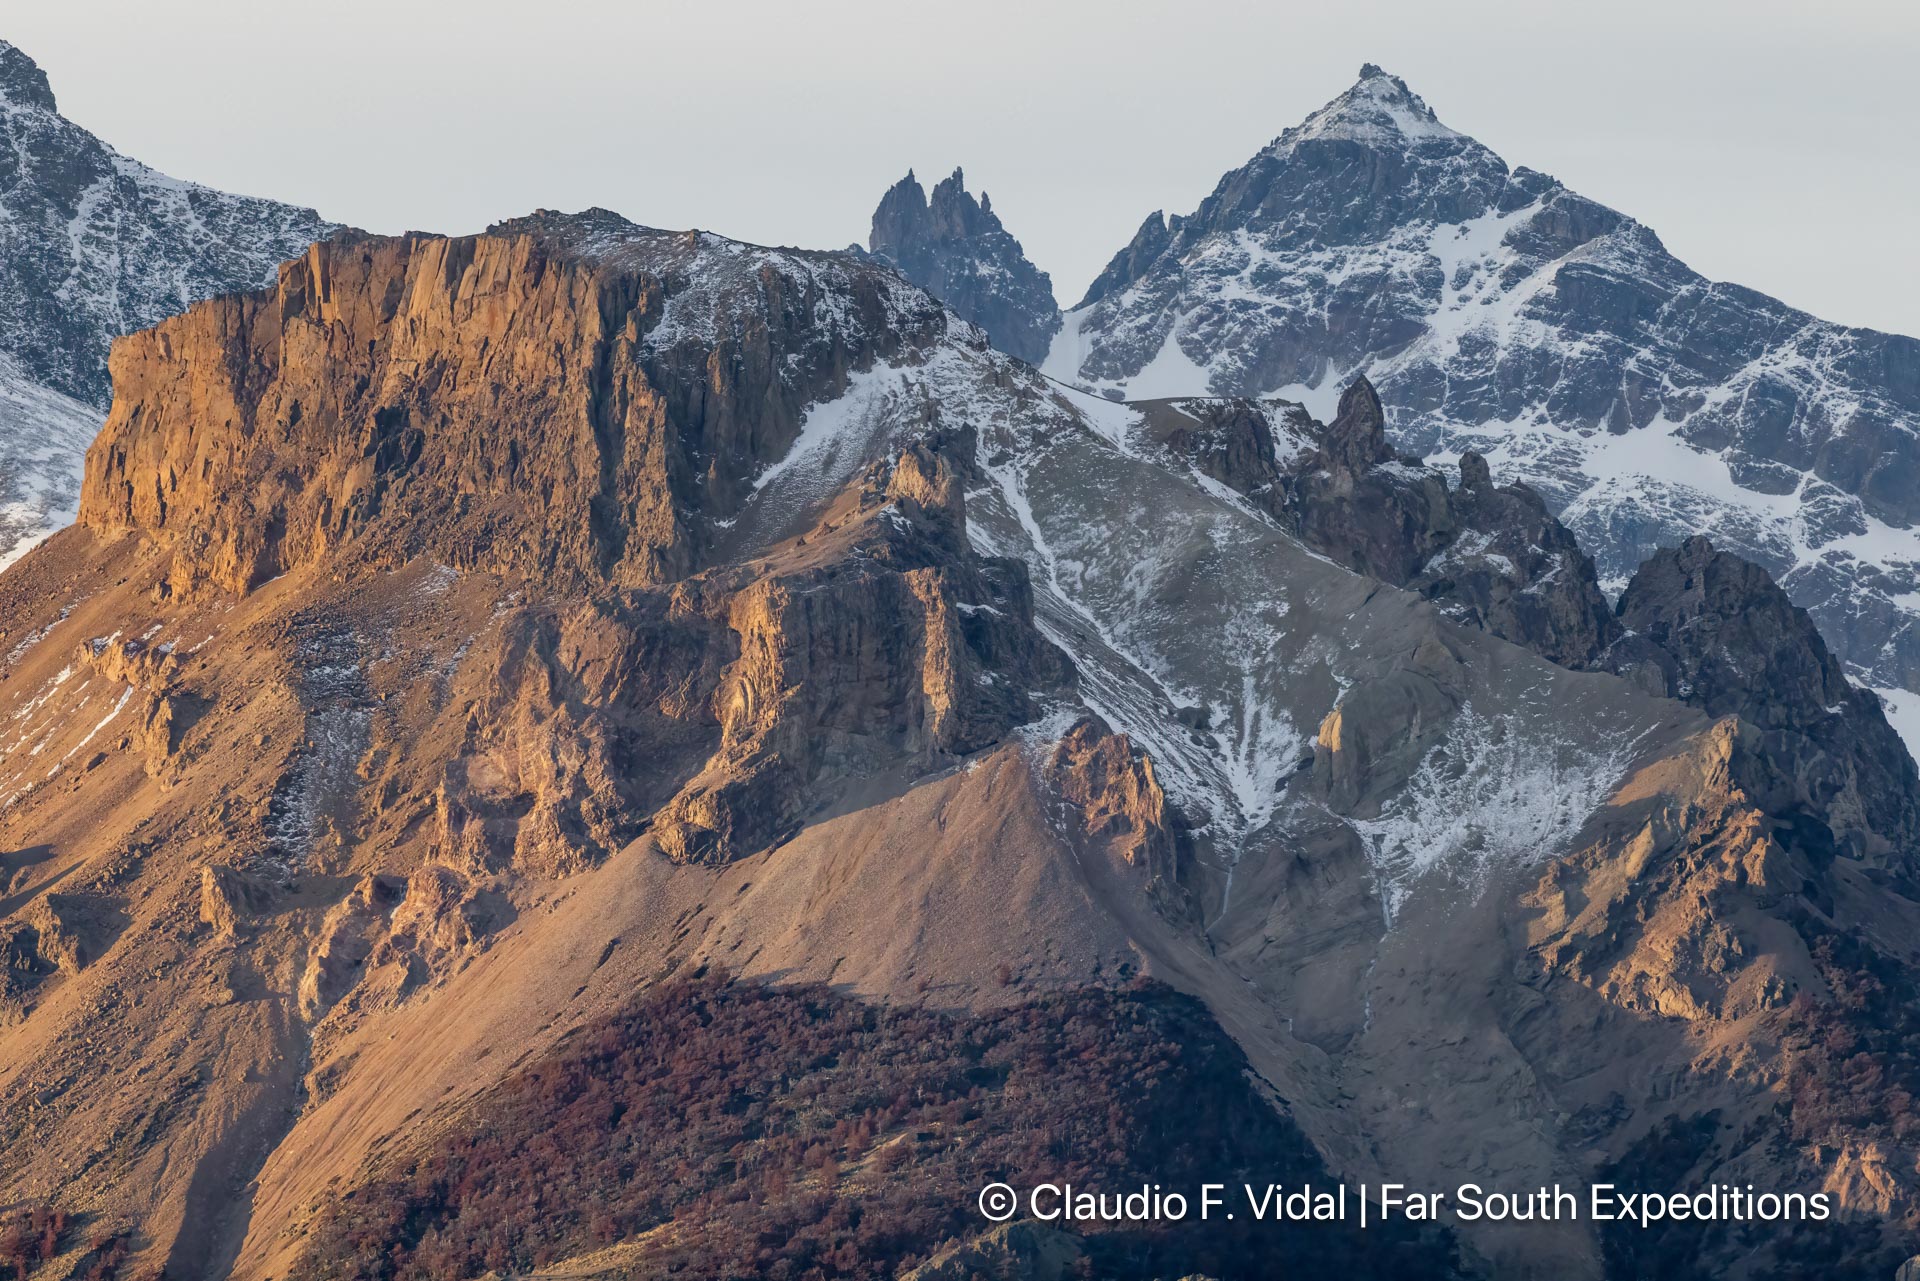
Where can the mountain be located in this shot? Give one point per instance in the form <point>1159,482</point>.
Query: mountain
<point>94,245</point>
<point>956,249</point>
<point>1499,312</point>
<point>604,749</point>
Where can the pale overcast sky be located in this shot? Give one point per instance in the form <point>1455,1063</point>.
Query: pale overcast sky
<point>1769,143</point>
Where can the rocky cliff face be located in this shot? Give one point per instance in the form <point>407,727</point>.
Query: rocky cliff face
<point>1722,636</point>
<point>1696,625</point>
<point>465,635</point>
<point>94,245</point>
<point>1498,312</point>
<point>955,248</point>
<point>644,423</point>
<point>1492,556</point>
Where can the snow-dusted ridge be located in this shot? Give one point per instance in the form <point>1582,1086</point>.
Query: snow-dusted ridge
<point>43,448</point>
<point>1209,635</point>
<point>1496,310</point>
<point>94,244</point>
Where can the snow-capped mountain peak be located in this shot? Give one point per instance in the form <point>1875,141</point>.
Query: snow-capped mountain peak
<point>22,82</point>
<point>1378,110</point>
<point>1498,311</point>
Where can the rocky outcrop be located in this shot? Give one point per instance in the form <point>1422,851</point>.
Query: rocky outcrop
<point>1733,643</point>
<point>639,379</point>
<point>159,733</point>
<point>390,935</point>
<point>57,934</point>
<point>129,661</point>
<point>67,926</point>
<point>22,82</point>
<point>1713,630</point>
<point>881,639</point>
<point>1675,920</point>
<point>1353,498</point>
<point>540,778</point>
<point>444,915</point>
<point>230,898</point>
<point>1514,569</point>
<point>877,638</point>
<point>1338,485</point>
<point>21,969</point>
<point>1489,555</point>
<point>585,405</point>
<point>351,930</point>
<point>955,248</point>
<point>1139,256</point>
<point>1120,804</point>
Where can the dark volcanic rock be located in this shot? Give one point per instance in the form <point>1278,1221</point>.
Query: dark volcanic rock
<point>22,82</point>
<point>1338,485</point>
<point>1127,266</point>
<point>1517,571</point>
<point>1353,499</point>
<point>955,248</point>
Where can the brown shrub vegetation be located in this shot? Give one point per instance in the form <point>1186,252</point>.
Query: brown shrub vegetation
<point>792,1133</point>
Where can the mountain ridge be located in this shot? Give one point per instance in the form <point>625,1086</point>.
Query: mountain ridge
<point>1501,313</point>
<point>93,245</point>
<point>347,779</point>
<point>479,658</point>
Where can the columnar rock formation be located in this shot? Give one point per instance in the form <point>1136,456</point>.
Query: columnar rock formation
<point>388,372</point>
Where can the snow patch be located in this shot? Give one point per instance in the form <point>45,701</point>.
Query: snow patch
<point>1488,798</point>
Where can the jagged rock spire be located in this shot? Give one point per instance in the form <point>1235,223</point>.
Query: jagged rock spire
<point>1357,437</point>
<point>1723,636</point>
<point>955,247</point>
<point>1474,471</point>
